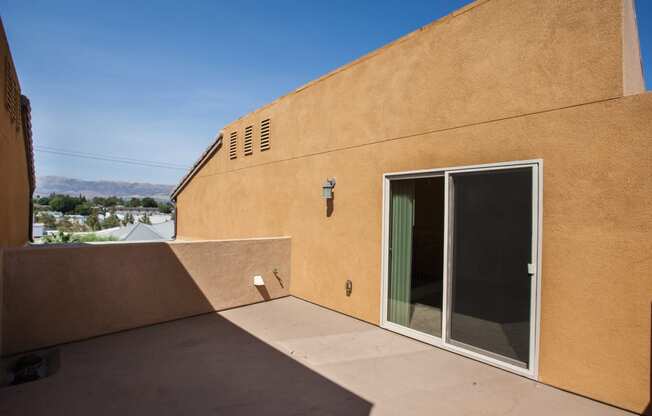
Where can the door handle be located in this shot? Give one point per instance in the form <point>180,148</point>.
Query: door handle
<point>530,269</point>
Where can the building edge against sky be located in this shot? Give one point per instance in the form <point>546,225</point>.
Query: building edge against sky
<point>16,160</point>
<point>17,179</point>
<point>497,81</point>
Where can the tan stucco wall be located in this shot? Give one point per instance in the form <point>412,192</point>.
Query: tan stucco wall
<point>633,81</point>
<point>1,295</point>
<point>500,81</point>
<point>597,284</point>
<point>61,294</point>
<point>495,59</point>
<point>14,182</point>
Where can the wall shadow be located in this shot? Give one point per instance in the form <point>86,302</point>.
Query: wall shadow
<point>330,205</point>
<point>278,277</point>
<point>203,364</point>
<point>199,365</point>
<point>264,293</point>
<point>114,287</point>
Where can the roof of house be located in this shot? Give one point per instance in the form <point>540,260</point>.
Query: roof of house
<point>213,147</point>
<point>164,229</point>
<point>141,232</point>
<point>208,153</point>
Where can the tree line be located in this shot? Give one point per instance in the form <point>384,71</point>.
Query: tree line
<point>92,223</point>
<point>80,205</point>
<point>91,209</point>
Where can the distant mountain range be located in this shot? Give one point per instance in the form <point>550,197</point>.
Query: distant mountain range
<point>45,185</point>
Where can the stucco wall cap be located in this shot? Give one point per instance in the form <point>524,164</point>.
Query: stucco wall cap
<point>198,165</point>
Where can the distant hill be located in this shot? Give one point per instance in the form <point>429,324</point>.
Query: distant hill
<point>46,185</point>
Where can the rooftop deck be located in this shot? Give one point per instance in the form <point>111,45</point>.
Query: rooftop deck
<point>285,357</point>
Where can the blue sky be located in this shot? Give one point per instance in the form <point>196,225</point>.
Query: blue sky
<point>156,80</point>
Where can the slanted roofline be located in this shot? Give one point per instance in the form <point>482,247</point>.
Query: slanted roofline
<point>197,166</point>
<point>218,141</point>
<point>26,115</point>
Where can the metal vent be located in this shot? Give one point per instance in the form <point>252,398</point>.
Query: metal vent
<point>12,95</point>
<point>233,145</point>
<point>265,135</point>
<point>249,140</point>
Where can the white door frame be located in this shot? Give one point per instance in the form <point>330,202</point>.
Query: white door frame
<point>535,308</point>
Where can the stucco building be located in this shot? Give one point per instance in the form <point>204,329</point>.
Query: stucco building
<point>17,179</point>
<point>492,192</point>
<point>480,185</point>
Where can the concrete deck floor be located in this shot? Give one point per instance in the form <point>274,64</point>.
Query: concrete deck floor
<point>284,357</point>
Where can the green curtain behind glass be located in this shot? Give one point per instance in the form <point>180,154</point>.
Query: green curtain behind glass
<point>402,221</point>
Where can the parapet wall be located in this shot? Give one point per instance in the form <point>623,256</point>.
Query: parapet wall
<point>57,294</point>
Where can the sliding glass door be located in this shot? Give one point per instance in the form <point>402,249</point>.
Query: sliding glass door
<point>490,229</point>
<point>416,254</point>
<point>461,260</point>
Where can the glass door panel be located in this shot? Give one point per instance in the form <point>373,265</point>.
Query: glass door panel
<point>416,236</point>
<point>490,260</point>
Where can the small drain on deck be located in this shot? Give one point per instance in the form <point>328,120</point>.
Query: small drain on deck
<point>30,367</point>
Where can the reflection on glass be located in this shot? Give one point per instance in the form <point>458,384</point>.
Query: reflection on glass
<point>492,246</point>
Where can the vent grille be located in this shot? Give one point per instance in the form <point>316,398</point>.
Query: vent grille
<point>11,92</point>
<point>233,145</point>
<point>265,135</point>
<point>249,140</point>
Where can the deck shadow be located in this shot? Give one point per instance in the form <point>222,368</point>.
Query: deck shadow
<point>134,358</point>
<point>199,365</point>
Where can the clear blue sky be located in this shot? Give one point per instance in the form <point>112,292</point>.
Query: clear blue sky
<point>156,80</point>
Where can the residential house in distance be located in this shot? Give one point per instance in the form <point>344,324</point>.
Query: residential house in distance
<point>77,219</point>
<point>155,217</point>
<point>456,223</point>
<point>38,230</point>
<point>159,231</point>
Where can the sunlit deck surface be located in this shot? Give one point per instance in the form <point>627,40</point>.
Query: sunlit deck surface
<point>283,357</point>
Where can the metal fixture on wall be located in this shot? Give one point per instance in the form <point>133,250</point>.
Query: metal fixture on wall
<point>349,287</point>
<point>276,274</point>
<point>327,188</point>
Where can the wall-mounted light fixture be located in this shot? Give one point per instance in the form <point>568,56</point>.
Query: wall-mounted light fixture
<point>327,188</point>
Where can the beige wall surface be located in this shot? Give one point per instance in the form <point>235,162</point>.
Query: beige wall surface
<point>597,285</point>
<point>14,182</point>
<point>633,81</point>
<point>60,294</point>
<point>492,60</point>
<point>501,80</point>
<point>1,296</point>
